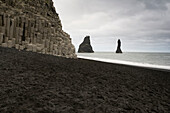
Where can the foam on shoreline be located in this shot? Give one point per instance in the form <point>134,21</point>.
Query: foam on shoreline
<point>159,67</point>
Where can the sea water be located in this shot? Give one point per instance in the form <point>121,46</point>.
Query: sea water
<point>142,59</point>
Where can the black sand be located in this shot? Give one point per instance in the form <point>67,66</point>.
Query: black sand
<point>32,82</point>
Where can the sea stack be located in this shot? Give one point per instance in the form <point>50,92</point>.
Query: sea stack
<point>33,25</point>
<point>85,46</point>
<point>119,47</point>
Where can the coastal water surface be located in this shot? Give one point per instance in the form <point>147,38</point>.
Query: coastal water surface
<point>152,60</point>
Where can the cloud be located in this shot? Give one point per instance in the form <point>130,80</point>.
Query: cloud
<point>142,25</point>
<point>155,4</point>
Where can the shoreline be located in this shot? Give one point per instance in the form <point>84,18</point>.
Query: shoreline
<point>33,82</point>
<point>128,63</point>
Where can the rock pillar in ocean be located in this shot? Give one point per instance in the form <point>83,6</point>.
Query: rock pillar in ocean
<point>119,47</point>
<point>85,46</point>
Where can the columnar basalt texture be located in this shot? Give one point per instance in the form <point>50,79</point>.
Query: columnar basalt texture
<point>119,47</point>
<point>33,25</point>
<point>85,46</point>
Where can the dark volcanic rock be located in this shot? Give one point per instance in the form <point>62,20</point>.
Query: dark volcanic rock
<point>85,46</point>
<point>119,47</point>
<point>33,25</point>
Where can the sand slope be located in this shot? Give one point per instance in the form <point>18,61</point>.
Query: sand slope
<point>32,82</point>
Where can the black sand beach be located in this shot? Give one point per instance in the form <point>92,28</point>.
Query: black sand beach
<point>32,82</point>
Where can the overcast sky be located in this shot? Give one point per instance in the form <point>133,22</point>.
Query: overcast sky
<point>142,25</point>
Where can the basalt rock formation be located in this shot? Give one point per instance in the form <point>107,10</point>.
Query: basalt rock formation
<point>33,25</point>
<point>119,47</point>
<point>85,46</point>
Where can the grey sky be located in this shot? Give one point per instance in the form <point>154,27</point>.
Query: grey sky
<point>142,25</point>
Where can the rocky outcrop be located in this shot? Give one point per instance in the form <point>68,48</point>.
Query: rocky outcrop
<point>85,46</point>
<point>119,47</point>
<point>33,25</point>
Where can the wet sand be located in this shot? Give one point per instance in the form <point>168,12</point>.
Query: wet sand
<point>32,82</point>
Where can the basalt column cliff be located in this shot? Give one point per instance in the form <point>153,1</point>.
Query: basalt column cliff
<point>33,25</point>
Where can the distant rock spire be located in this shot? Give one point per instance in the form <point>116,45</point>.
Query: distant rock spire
<point>85,46</point>
<point>119,47</point>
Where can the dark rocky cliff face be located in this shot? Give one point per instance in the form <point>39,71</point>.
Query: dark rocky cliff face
<point>85,46</point>
<point>33,25</point>
<point>119,47</point>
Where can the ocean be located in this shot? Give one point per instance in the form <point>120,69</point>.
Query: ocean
<point>141,59</point>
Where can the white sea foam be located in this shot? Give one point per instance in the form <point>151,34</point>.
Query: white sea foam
<point>127,63</point>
